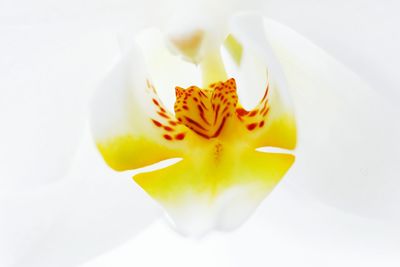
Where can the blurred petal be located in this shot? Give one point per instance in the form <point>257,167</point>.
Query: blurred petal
<point>289,230</point>
<point>347,150</point>
<point>46,78</point>
<point>198,28</point>
<point>359,33</point>
<point>71,221</point>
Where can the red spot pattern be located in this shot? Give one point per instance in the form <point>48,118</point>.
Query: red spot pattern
<point>256,117</point>
<point>206,111</point>
<point>164,121</point>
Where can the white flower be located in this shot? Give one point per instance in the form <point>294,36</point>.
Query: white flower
<point>360,144</point>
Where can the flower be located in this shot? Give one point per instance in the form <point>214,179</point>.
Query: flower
<point>221,178</point>
<point>346,157</point>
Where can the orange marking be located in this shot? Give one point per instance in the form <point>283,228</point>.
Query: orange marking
<point>241,111</point>
<point>266,93</point>
<point>216,114</point>
<point>163,115</point>
<point>253,113</point>
<point>251,126</point>
<point>172,123</point>
<point>168,137</point>
<point>204,106</point>
<point>220,127</point>
<point>180,136</point>
<point>156,123</point>
<point>167,128</point>
<point>195,123</point>
<point>265,112</point>
<point>156,102</point>
<point>265,107</point>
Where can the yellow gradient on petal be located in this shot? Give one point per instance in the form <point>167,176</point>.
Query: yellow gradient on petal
<point>280,133</point>
<point>234,48</point>
<point>212,68</point>
<point>206,175</point>
<point>128,152</point>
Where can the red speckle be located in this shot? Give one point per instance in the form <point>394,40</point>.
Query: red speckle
<point>168,137</point>
<point>172,123</point>
<point>180,136</point>
<point>162,110</point>
<point>266,93</point>
<point>167,128</point>
<point>253,113</point>
<point>261,124</point>
<point>185,107</point>
<point>156,123</point>
<point>251,126</point>
<point>156,102</point>
<point>265,112</point>
<point>163,115</point>
<point>241,111</point>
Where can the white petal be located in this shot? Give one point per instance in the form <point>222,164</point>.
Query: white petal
<point>166,69</point>
<point>209,19</point>
<point>348,150</point>
<point>296,232</point>
<point>46,77</point>
<point>69,222</point>
<point>361,34</point>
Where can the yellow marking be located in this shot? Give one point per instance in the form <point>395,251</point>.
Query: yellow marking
<point>234,48</point>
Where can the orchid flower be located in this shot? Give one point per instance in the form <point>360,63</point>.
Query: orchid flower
<point>347,150</point>
<point>221,177</point>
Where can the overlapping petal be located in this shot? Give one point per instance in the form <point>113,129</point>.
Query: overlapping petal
<point>210,130</point>
<point>131,125</point>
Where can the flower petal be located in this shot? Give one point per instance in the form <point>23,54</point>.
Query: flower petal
<point>271,122</point>
<point>129,121</point>
<point>71,221</point>
<point>201,193</point>
<point>348,147</point>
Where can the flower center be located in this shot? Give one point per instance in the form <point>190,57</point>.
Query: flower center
<point>206,111</point>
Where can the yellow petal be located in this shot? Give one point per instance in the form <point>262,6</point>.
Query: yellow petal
<point>131,126</point>
<point>234,48</point>
<point>207,191</point>
<point>270,122</point>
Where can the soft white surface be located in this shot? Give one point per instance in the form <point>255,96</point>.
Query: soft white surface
<point>50,55</point>
<point>64,223</point>
<point>288,230</point>
<point>47,75</point>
